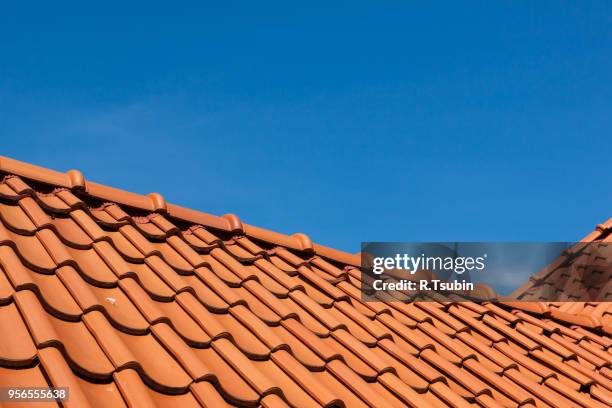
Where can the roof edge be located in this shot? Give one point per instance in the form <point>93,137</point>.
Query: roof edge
<point>155,202</point>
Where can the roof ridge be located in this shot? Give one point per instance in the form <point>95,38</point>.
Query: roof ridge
<point>155,202</point>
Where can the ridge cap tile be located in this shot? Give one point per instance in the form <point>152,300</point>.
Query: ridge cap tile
<point>75,180</point>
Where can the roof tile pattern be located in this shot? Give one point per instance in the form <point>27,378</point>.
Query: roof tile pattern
<point>136,308</point>
<point>579,275</point>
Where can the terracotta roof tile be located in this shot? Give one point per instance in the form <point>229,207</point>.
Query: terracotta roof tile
<point>16,219</point>
<point>142,303</point>
<point>151,283</point>
<point>61,375</point>
<point>72,338</point>
<point>25,377</point>
<point>243,338</point>
<point>92,267</point>
<point>16,345</point>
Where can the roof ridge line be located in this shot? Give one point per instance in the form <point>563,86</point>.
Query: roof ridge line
<point>155,202</point>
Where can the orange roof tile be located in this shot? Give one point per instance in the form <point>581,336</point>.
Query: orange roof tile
<point>132,301</point>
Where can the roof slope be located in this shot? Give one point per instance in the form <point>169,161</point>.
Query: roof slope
<point>136,306</point>
<point>582,273</point>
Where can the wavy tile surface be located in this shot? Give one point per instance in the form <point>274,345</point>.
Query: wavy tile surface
<point>136,308</point>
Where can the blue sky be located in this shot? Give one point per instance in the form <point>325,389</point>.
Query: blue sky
<point>347,122</point>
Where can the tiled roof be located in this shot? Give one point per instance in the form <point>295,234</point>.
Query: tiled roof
<point>579,274</point>
<point>131,301</point>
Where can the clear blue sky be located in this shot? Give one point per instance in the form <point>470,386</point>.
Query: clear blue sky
<point>350,122</point>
